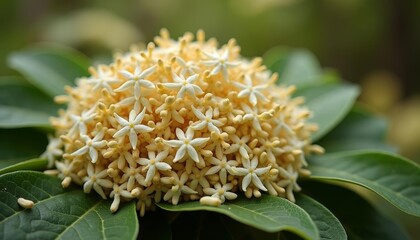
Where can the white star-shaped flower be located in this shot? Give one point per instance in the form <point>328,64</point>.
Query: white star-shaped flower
<point>132,126</point>
<point>297,146</point>
<point>103,79</point>
<point>198,176</point>
<point>91,146</point>
<point>132,175</point>
<point>137,102</point>
<point>186,144</point>
<point>184,85</point>
<point>280,124</point>
<point>220,63</point>
<point>118,192</point>
<point>54,149</point>
<point>187,67</point>
<point>206,120</point>
<point>239,144</point>
<point>96,178</point>
<point>137,79</point>
<point>67,173</point>
<point>253,92</point>
<point>221,192</point>
<point>154,163</point>
<point>251,114</point>
<point>79,122</point>
<point>290,181</point>
<point>178,187</point>
<point>221,167</point>
<point>251,173</point>
<point>170,107</point>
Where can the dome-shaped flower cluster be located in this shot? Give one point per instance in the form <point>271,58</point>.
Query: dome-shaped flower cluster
<point>181,120</point>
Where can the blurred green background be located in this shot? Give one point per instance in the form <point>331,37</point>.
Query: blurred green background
<point>374,43</point>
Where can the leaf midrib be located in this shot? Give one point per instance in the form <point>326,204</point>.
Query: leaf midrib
<point>79,218</point>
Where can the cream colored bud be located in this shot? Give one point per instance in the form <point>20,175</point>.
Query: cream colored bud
<point>274,171</point>
<point>210,201</point>
<point>66,182</point>
<point>230,129</point>
<point>52,172</point>
<point>61,99</point>
<point>135,192</point>
<point>25,203</point>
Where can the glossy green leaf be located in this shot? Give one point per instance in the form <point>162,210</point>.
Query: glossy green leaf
<point>295,67</point>
<point>268,213</point>
<point>394,178</point>
<point>360,124</point>
<point>329,105</point>
<point>331,146</point>
<point>21,144</point>
<point>302,68</point>
<point>328,225</point>
<point>21,105</point>
<point>359,130</point>
<point>59,213</point>
<point>276,58</point>
<point>50,67</point>
<point>359,218</point>
<point>31,164</point>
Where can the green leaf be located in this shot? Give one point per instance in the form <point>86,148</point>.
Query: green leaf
<point>295,67</point>
<point>302,68</point>
<point>329,105</point>
<point>59,213</point>
<point>328,225</point>
<point>20,144</point>
<point>276,58</point>
<point>31,164</point>
<point>360,124</point>
<point>21,105</point>
<point>268,213</point>
<point>359,130</point>
<point>394,178</point>
<point>358,217</point>
<point>50,67</point>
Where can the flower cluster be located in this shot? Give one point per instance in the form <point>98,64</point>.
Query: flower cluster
<point>181,120</point>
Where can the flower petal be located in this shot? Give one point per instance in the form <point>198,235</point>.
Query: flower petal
<point>93,154</point>
<point>163,166</point>
<point>180,153</point>
<point>122,132</point>
<point>143,128</point>
<point>198,141</point>
<point>198,113</point>
<point>173,143</point>
<point>150,174</point>
<point>192,153</point>
<point>147,84</point>
<point>133,138</point>
<point>246,181</point>
<point>124,86</point>
<point>81,151</point>
<point>257,182</point>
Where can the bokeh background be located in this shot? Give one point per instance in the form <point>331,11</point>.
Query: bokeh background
<point>374,43</point>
